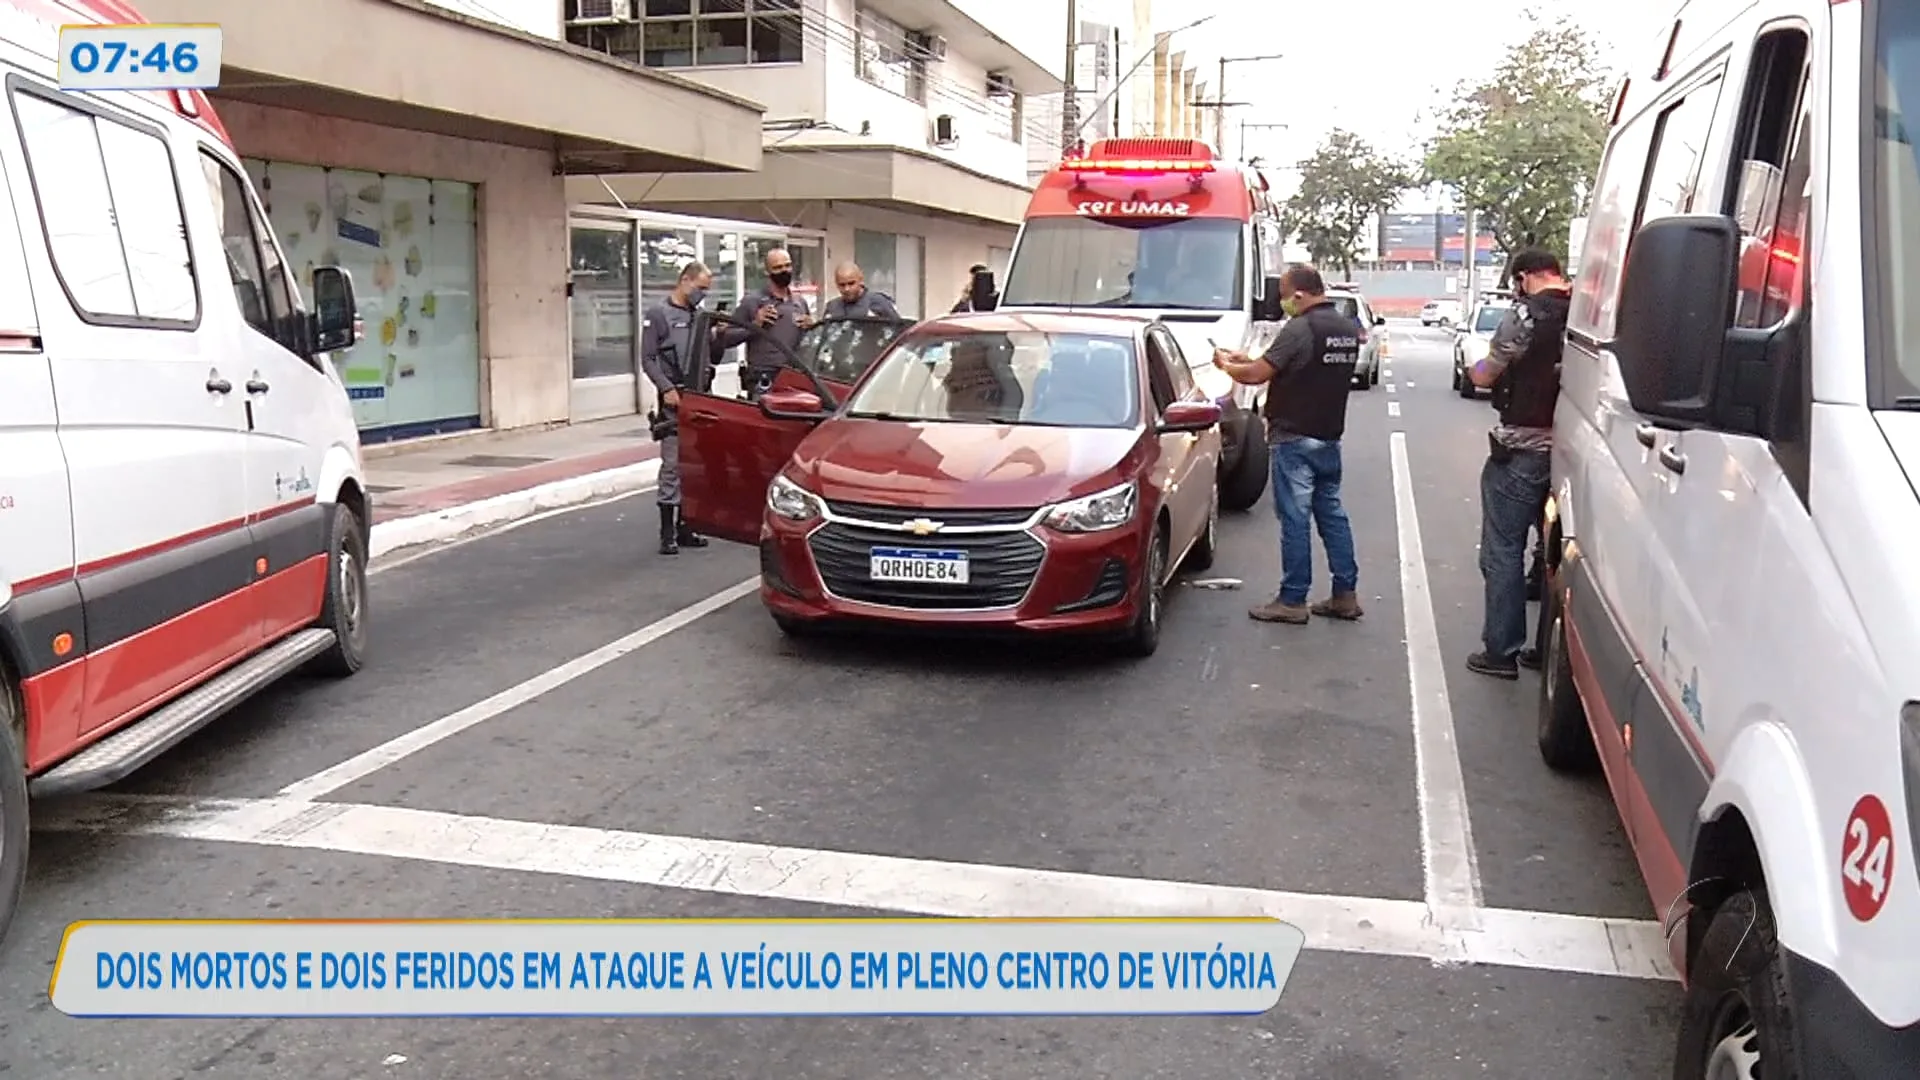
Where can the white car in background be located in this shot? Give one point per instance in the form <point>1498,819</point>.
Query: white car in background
<point>1440,313</point>
<point>1470,343</point>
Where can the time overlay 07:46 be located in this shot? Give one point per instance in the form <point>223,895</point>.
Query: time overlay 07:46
<point>157,57</point>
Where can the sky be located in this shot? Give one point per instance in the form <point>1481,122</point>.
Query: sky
<point>1379,68</point>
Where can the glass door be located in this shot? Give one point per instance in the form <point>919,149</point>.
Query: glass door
<point>602,310</point>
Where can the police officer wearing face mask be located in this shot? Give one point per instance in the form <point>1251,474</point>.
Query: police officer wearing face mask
<point>781,316</point>
<point>668,359</point>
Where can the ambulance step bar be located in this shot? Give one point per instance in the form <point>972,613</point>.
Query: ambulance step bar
<point>115,757</point>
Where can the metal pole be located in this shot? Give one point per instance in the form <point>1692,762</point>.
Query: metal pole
<point>1220,109</point>
<point>1069,105</point>
<point>1471,282</point>
<point>1158,37</point>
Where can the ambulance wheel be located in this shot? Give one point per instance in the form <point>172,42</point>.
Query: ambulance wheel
<point>345,610</point>
<point>1566,743</point>
<point>1242,488</point>
<point>1736,1021</point>
<point>13,804</point>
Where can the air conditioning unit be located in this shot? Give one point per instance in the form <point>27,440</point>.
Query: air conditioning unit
<point>598,12</point>
<point>999,84</point>
<point>943,130</point>
<point>926,46</point>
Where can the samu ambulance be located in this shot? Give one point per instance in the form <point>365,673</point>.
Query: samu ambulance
<point>183,517</point>
<point>1163,229</point>
<point>1732,627</point>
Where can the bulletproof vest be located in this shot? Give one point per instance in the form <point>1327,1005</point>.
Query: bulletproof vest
<point>1526,392</point>
<point>1310,399</point>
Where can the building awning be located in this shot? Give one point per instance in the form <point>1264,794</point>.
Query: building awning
<point>404,64</point>
<point>889,178</point>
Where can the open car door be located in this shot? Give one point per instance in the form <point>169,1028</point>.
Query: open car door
<point>730,449</point>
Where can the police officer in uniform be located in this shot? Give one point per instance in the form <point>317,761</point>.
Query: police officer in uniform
<point>1307,371</point>
<point>1523,368</point>
<point>781,316</point>
<point>855,299</point>
<point>668,359</point>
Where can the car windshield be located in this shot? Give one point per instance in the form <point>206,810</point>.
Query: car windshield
<point>1895,230</point>
<point>1488,320</point>
<point>1130,263</point>
<point>1018,377</point>
<point>1347,306</point>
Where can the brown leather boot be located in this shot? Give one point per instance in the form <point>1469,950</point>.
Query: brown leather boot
<point>1339,606</point>
<point>1275,611</point>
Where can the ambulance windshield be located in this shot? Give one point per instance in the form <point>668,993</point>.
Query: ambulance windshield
<point>1189,263</point>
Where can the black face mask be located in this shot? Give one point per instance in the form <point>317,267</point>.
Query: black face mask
<point>781,278</point>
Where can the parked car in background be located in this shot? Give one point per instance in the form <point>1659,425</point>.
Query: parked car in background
<point>1366,374</point>
<point>1440,313</point>
<point>1470,343</point>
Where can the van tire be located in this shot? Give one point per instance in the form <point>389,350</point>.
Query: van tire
<point>1566,742</point>
<point>1738,985</point>
<point>14,829</point>
<point>345,609</point>
<point>1242,488</point>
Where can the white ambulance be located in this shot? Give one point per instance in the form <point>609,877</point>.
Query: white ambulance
<point>1734,615</point>
<point>183,517</point>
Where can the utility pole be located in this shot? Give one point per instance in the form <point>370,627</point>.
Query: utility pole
<point>1069,105</point>
<point>1220,111</point>
<point>1470,284</point>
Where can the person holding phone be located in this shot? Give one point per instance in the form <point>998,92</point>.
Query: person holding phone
<point>779,316</point>
<point>978,293</point>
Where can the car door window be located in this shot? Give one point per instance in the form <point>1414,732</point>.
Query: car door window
<point>110,202</point>
<point>841,350</point>
<point>1159,375</point>
<point>246,267</point>
<point>1176,366</point>
<point>275,281</point>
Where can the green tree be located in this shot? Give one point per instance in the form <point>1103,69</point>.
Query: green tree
<point>1342,185</point>
<point>1522,146</point>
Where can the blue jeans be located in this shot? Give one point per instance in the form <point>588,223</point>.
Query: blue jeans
<point>1511,495</point>
<point>1306,481</point>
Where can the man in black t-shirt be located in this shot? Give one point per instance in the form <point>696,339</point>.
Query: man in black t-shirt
<point>1307,371</point>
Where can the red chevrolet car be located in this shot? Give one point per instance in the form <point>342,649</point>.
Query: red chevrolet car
<point>1023,471</point>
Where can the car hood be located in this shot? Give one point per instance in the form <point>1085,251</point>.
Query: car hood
<point>958,466</point>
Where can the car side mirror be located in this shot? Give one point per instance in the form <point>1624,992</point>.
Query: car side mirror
<point>1267,308</point>
<point>1379,320</point>
<point>1676,306</point>
<point>336,323</point>
<point>783,404</point>
<point>1183,416</point>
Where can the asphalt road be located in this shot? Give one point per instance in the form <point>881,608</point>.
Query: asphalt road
<point>1262,757</point>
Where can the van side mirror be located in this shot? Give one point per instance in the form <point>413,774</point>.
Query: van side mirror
<point>1267,308</point>
<point>335,315</point>
<point>1676,306</point>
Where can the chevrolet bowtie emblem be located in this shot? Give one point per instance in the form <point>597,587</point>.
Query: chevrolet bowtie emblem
<point>924,527</point>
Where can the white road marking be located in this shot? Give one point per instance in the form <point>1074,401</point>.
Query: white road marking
<point>1409,384</point>
<point>1446,838</point>
<point>400,747</point>
<point>1393,408</point>
<point>487,532</point>
<point>1346,924</point>
<point>1389,387</point>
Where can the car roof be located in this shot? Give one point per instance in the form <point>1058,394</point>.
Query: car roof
<point>1109,324</point>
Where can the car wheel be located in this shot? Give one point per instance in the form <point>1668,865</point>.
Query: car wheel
<point>1736,1021</point>
<point>792,627</point>
<point>14,831</point>
<point>1465,386</point>
<point>345,609</point>
<point>1143,639</point>
<point>1242,487</point>
<point>1207,547</point>
<point>1456,377</point>
<point>1566,743</point>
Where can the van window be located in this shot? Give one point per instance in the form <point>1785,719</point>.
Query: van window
<point>1894,224</point>
<point>1604,257</point>
<point>254,267</point>
<point>17,312</point>
<point>111,206</point>
<point>1770,190</point>
<point>1679,144</point>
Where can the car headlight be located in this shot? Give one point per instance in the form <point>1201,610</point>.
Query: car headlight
<point>1107,509</point>
<point>791,501</point>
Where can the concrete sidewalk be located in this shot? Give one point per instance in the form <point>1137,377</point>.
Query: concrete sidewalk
<point>430,491</point>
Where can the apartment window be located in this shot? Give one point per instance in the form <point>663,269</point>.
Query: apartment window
<point>117,237</point>
<point>702,33</point>
<point>1003,110</point>
<point>887,56</point>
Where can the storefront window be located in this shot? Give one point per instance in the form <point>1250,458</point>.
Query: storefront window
<point>601,308</point>
<point>755,262</point>
<point>893,264</point>
<point>721,252</point>
<point>809,271</point>
<point>410,244</point>
<point>664,252</point>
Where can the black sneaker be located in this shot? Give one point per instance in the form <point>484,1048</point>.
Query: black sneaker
<point>1529,659</point>
<point>1482,664</point>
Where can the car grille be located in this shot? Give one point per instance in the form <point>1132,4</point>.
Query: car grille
<point>899,515</point>
<point>1000,567</point>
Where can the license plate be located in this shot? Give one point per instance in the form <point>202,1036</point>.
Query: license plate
<point>919,566</point>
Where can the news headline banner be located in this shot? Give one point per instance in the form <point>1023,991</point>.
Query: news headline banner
<point>826,967</point>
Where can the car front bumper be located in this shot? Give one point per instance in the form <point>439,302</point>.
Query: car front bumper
<point>1028,580</point>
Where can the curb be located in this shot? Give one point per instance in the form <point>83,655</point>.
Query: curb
<point>439,526</point>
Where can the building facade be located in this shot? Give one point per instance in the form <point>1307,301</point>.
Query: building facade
<point>895,135</point>
<point>425,147</point>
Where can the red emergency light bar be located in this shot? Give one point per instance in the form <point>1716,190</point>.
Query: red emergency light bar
<point>1135,166</point>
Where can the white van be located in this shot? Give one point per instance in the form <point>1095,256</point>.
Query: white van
<point>1734,616</point>
<point>183,517</point>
